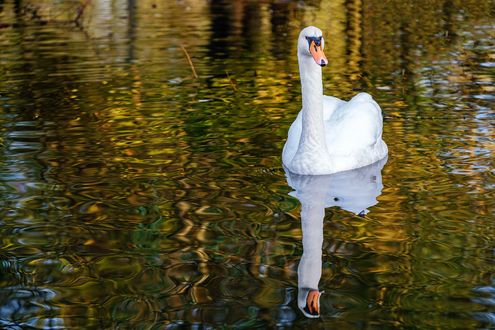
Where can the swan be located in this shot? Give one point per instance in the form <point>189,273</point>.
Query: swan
<point>330,135</point>
<point>355,191</point>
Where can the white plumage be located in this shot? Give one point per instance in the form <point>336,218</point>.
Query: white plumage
<point>330,135</point>
<point>354,191</point>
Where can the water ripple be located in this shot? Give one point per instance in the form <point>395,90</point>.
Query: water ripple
<point>136,196</point>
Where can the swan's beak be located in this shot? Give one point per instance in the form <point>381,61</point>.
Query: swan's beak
<point>313,303</point>
<point>318,54</point>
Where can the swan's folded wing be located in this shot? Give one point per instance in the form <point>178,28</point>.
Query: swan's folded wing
<point>355,126</point>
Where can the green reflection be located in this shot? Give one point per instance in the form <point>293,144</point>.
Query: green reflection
<point>136,196</point>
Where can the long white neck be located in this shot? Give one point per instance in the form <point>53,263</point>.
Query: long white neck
<point>309,269</point>
<point>313,131</point>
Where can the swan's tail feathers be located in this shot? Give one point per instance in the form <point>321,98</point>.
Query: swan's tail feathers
<point>363,97</point>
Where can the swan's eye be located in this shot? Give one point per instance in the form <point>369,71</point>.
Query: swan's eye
<point>316,40</point>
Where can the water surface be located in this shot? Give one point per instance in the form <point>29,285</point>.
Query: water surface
<point>136,196</point>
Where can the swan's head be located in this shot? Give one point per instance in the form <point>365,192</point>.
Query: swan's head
<point>311,43</point>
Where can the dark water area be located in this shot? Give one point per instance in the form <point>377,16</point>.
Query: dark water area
<point>136,196</point>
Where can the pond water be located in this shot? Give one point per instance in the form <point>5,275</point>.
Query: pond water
<point>137,196</point>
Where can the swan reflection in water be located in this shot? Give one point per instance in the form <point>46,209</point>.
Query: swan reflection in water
<point>354,191</point>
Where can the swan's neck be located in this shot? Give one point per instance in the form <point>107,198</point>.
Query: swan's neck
<point>309,269</point>
<point>313,132</point>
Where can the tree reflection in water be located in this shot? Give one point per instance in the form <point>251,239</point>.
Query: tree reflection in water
<point>137,196</point>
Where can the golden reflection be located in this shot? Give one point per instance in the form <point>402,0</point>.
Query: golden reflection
<point>135,196</point>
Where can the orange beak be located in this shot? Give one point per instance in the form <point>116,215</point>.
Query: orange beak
<point>312,301</point>
<point>318,54</point>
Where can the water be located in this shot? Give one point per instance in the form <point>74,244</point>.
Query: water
<point>136,196</point>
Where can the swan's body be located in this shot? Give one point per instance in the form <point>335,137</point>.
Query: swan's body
<point>330,135</point>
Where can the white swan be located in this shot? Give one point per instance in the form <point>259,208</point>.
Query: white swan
<point>354,191</point>
<point>330,135</point>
